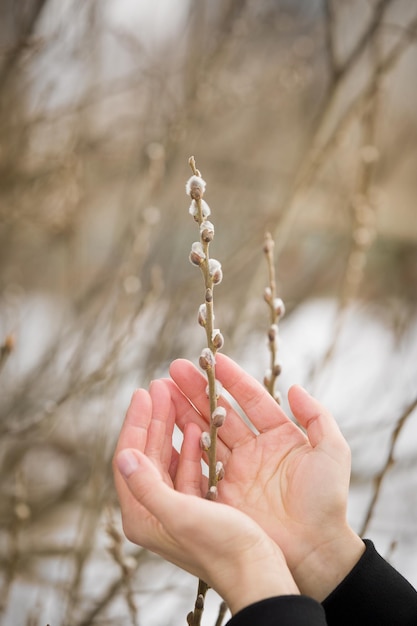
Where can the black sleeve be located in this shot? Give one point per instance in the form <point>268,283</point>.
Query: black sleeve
<point>281,611</point>
<point>372,593</point>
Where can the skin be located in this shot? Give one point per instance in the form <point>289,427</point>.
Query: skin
<point>213,541</point>
<point>292,482</point>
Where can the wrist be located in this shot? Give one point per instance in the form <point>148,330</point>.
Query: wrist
<point>327,564</point>
<point>257,578</point>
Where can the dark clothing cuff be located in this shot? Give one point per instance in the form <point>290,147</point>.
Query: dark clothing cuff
<point>372,593</point>
<point>281,611</point>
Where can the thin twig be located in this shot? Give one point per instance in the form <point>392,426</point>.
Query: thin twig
<point>329,11</point>
<point>378,480</point>
<point>222,613</point>
<point>6,349</point>
<point>109,594</point>
<point>15,53</point>
<point>126,564</point>
<point>364,39</point>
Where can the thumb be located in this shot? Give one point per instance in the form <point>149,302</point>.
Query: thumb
<point>145,482</point>
<point>321,427</point>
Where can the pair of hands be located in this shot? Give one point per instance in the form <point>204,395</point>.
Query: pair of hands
<point>279,526</point>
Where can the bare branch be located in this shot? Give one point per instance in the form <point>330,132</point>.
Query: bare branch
<point>364,39</point>
<point>329,32</point>
<point>378,480</point>
<point>13,55</point>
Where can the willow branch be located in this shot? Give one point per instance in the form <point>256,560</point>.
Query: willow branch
<point>276,311</point>
<point>212,275</point>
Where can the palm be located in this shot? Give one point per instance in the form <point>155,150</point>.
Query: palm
<point>274,479</point>
<point>257,475</point>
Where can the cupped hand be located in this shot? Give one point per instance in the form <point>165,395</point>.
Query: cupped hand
<point>293,482</point>
<point>213,541</point>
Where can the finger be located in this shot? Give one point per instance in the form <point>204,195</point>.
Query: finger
<point>166,521</point>
<point>185,411</point>
<point>134,431</point>
<point>133,434</point>
<point>154,500</point>
<point>322,429</point>
<point>260,407</point>
<point>159,440</point>
<point>190,399</point>
<point>173,465</point>
<point>176,512</point>
<point>189,475</point>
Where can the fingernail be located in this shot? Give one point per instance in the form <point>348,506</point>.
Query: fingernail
<point>127,462</point>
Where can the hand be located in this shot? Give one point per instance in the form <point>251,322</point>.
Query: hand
<point>294,485</point>
<point>213,541</point>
